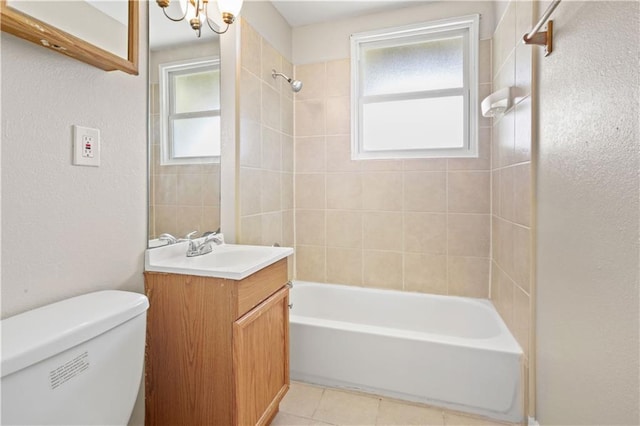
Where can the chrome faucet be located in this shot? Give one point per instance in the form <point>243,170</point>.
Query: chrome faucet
<point>170,239</point>
<point>204,247</point>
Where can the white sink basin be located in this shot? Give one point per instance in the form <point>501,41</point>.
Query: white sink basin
<point>229,261</point>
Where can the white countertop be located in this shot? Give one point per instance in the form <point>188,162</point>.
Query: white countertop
<point>230,261</point>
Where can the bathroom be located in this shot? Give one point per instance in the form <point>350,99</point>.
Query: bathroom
<point>544,222</point>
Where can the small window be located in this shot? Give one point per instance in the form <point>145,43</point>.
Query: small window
<point>414,91</point>
<point>190,112</point>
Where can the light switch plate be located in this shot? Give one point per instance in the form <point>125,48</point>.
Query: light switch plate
<point>86,146</point>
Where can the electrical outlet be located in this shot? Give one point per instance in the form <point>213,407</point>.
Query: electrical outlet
<point>86,146</point>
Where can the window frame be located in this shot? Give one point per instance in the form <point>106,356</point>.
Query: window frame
<point>468,27</point>
<point>167,101</point>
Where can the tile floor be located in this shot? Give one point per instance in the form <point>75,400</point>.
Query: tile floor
<point>307,405</point>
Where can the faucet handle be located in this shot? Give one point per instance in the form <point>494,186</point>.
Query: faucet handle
<point>190,235</point>
<point>170,239</point>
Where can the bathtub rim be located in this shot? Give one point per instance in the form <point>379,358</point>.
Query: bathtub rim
<point>504,342</point>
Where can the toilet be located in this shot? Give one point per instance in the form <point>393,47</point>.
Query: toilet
<point>75,362</point>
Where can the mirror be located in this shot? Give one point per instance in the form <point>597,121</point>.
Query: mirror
<point>184,123</point>
<point>102,33</point>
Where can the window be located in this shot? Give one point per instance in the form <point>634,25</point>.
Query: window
<point>414,91</point>
<point>190,112</point>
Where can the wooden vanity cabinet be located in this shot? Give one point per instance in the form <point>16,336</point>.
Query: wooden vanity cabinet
<point>217,350</point>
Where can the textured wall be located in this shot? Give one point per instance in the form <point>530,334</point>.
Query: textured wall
<point>587,239</point>
<point>511,284</point>
<point>69,230</point>
<point>415,225</point>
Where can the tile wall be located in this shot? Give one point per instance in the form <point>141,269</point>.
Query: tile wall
<point>266,144</point>
<point>511,278</point>
<point>415,225</point>
<point>182,198</point>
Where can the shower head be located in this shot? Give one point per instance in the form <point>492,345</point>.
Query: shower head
<point>296,85</point>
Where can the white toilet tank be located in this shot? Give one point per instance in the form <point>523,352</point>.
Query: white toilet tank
<point>75,362</point>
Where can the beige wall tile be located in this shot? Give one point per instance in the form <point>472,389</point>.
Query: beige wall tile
<point>250,191</point>
<point>522,141</point>
<point>251,230</point>
<point>468,276</point>
<point>483,162</point>
<point>507,207</point>
<point>425,191</point>
<point>310,227</point>
<point>344,266</point>
<point>344,191</point>
<point>505,246</point>
<point>310,191</point>
<point>424,164</point>
<point>382,191</point>
<point>286,181</point>
<point>522,256</point>
<point>310,263</point>
<point>189,219</point>
<point>270,107</point>
<point>272,228</point>
<point>495,192</point>
<point>507,35</point>
<point>425,273</point>
<point>523,71</point>
<point>313,76</point>
<point>211,189</point>
<point>522,194</point>
<point>507,288</point>
<point>287,153</point>
<point>496,249</point>
<point>484,56</point>
<point>286,114</point>
<point>310,154</point>
<point>189,190</point>
<point>484,90</point>
<point>250,48</point>
<point>166,189</point>
<point>310,116</point>
<point>468,192</point>
<point>338,116</point>
<point>339,154</point>
<point>338,78</point>
<point>250,146</point>
<point>521,319</point>
<point>382,269</point>
<point>506,139</point>
<point>425,233</point>
<point>250,96</point>
<point>288,236</point>
<point>468,235</point>
<point>344,228</point>
<point>382,230</point>
<point>381,165</point>
<point>271,150</point>
<point>270,191</point>
<point>271,59</point>
<point>210,219</point>
<point>166,219</point>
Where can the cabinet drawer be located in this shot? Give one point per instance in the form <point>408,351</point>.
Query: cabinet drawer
<point>252,290</point>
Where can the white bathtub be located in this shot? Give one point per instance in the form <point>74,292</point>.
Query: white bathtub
<point>448,351</point>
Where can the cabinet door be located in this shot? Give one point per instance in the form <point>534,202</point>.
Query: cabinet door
<point>261,359</point>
